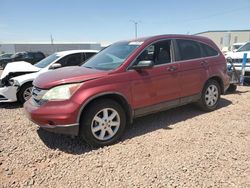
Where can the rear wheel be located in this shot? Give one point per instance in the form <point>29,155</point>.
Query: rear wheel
<point>210,96</point>
<point>24,93</point>
<point>103,123</point>
<point>232,88</point>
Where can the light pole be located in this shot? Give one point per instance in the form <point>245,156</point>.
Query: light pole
<point>136,24</point>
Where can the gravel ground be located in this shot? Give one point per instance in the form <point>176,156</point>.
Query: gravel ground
<point>182,147</point>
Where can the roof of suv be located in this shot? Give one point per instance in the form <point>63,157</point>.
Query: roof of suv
<point>170,36</point>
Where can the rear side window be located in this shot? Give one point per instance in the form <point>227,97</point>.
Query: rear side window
<point>189,49</point>
<point>208,51</point>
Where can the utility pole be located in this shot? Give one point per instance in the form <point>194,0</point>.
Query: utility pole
<point>52,43</point>
<point>51,40</point>
<point>136,25</point>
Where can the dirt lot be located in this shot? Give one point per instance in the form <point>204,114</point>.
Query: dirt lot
<point>182,147</point>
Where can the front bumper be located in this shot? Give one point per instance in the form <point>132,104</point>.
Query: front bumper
<point>58,116</point>
<point>8,94</point>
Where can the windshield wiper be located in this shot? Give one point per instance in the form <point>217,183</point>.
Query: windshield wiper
<point>89,67</point>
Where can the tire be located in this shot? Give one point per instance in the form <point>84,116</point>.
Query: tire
<point>22,95</point>
<point>210,96</point>
<point>3,66</point>
<point>232,88</point>
<point>95,129</point>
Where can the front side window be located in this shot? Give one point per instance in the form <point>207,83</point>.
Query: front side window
<point>188,49</point>
<point>71,60</point>
<point>159,53</point>
<point>113,56</point>
<point>246,47</point>
<point>47,61</point>
<point>88,55</point>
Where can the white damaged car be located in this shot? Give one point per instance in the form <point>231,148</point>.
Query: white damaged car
<point>17,77</point>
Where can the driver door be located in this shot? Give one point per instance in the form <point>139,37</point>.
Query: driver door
<point>155,87</point>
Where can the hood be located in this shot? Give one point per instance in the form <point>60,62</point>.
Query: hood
<point>20,67</point>
<point>67,75</point>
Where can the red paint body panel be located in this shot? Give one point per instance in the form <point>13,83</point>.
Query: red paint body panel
<point>139,88</point>
<point>67,75</point>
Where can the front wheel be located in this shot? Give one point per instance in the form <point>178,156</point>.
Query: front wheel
<point>24,93</point>
<point>102,123</point>
<point>210,96</point>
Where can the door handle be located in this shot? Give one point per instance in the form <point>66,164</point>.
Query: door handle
<point>204,63</point>
<point>172,68</point>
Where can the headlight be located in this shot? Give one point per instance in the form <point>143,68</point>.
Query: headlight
<point>62,92</point>
<point>14,83</point>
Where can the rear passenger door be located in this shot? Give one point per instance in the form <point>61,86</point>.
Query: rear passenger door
<point>193,69</point>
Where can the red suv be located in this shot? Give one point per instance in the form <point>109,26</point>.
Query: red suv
<point>126,80</point>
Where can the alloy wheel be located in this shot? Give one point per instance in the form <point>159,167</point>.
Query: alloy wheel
<point>105,124</point>
<point>211,95</point>
<point>27,93</point>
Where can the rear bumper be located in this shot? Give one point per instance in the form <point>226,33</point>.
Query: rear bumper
<point>8,94</point>
<point>59,118</point>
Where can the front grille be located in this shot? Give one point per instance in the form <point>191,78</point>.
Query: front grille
<point>239,60</point>
<point>37,95</point>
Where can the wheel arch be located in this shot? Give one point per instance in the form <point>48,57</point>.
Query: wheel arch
<point>118,97</point>
<point>220,82</point>
<point>19,89</point>
<point>25,83</point>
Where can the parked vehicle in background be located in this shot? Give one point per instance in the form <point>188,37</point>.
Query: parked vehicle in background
<point>236,46</point>
<point>232,48</point>
<point>17,77</point>
<point>30,57</point>
<point>236,58</point>
<point>126,80</point>
<point>4,56</point>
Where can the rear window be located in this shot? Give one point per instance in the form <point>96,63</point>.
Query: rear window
<point>208,51</point>
<point>189,49</point>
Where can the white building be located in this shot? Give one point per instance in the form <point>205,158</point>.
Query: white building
<point>225,38</point>
<point>47,48</point>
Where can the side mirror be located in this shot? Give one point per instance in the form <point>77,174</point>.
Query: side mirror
<point>145,64</point>
<point>55,66</point>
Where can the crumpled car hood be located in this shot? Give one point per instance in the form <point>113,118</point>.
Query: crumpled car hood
<point>19,67</point>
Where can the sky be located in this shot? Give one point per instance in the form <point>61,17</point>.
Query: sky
<point>110,20</point>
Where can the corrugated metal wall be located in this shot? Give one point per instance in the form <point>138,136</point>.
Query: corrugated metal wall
<point>47,49</point>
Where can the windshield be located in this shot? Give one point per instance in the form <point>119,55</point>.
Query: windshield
<point>112,57</point>
<point>246,47</point>
<point>19,54</point>
<point>48,60</point>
